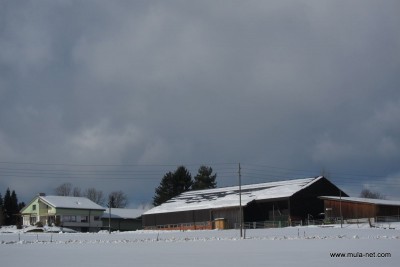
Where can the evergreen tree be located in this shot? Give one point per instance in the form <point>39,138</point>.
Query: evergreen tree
<point>11,207</point>
<point>204,179</point>
<point>164,191</point>
<point>21,205</point>
<point>182,180</point>
<point>1,201</point>
<point>7,207</point>
<point>14,208</point>
<point>172,184</point>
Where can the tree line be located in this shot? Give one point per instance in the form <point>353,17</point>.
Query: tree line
<point>179,181</point>
<point>116,199</point>
<point>10,207</point>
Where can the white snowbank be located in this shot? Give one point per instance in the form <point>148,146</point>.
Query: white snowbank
<point>292,246</point>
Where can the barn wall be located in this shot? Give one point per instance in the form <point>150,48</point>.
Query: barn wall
<point>257,211</point>
<point>307,201</point>
<point>350,210</point>
<point>231,215</point>
<point>123,224</point>
<point>192,216</point>
<point>354,210</point>
<point>383,210</point>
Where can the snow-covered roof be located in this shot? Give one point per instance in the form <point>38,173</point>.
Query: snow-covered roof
<point>123,213</point>
<point>70,202</point>
<point>365,200</point>
<point>229,196</point>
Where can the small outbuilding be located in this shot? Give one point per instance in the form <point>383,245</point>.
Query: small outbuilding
<point>282,202</point>
<point>123,219</point>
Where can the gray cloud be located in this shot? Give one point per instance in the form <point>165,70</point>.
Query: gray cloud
<point>295,84</point>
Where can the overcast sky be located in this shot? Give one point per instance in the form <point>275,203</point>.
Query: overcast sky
<point>112,94</point>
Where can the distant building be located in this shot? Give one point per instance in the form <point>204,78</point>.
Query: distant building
<point>283,202</point>
<point>357,208</point>
<point>123,219</point>
<point>77,213</point>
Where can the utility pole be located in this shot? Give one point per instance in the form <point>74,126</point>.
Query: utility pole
<point>340,206</point>
<point>110,203</point>
<point>109,217</point>
<point>240,203</point>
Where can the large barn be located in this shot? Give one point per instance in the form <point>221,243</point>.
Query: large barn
<point>283,201</point>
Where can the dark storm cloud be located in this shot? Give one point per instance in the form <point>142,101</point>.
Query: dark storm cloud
<point>299,84</point>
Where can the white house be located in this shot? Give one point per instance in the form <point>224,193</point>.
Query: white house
<point>77,213</point>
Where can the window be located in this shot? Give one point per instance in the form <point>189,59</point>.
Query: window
<point>97,218</point>
<point>84,219</point>
<point>33,207</point>
<point>69,218</point>
<point>33,220</point>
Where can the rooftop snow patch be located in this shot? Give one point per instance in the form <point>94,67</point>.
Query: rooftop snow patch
<point>229,196</point>
<point>71,202</point>
<point>123,213</point>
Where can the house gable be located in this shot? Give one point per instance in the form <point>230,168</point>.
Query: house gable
<point>32,207</point>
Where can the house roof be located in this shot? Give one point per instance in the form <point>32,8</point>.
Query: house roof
<point>364,200</point>
<point>123,213</point>
<point>70,202</point>
<point>229,196</point>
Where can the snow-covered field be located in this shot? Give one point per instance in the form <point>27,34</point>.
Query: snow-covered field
<point>293,246</point>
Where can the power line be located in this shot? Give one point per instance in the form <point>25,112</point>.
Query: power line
<point>264,173</point>
<point>112,165</point>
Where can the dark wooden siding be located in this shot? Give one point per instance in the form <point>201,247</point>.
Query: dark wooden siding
<point>266,211</point>
<point>123,224</point>
<point>383,210</point>
<point>307,202</point>
<point>231,215</point>
<point>354,210</point>
<point>191,216</point>
<point>350,210</point>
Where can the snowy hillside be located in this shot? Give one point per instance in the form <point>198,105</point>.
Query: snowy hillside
<point>293,246</point>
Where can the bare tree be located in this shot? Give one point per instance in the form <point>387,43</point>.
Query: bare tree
<point>63,190</point>
<point>366,193</point>
<point>94,195</point>
<point>145,206</point>
<point>117,199</point>
<point>76,192</point>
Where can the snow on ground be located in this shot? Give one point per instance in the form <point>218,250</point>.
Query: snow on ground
<point>292,246</point>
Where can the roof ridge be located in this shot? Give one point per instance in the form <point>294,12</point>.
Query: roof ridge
<point>251,186</point>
